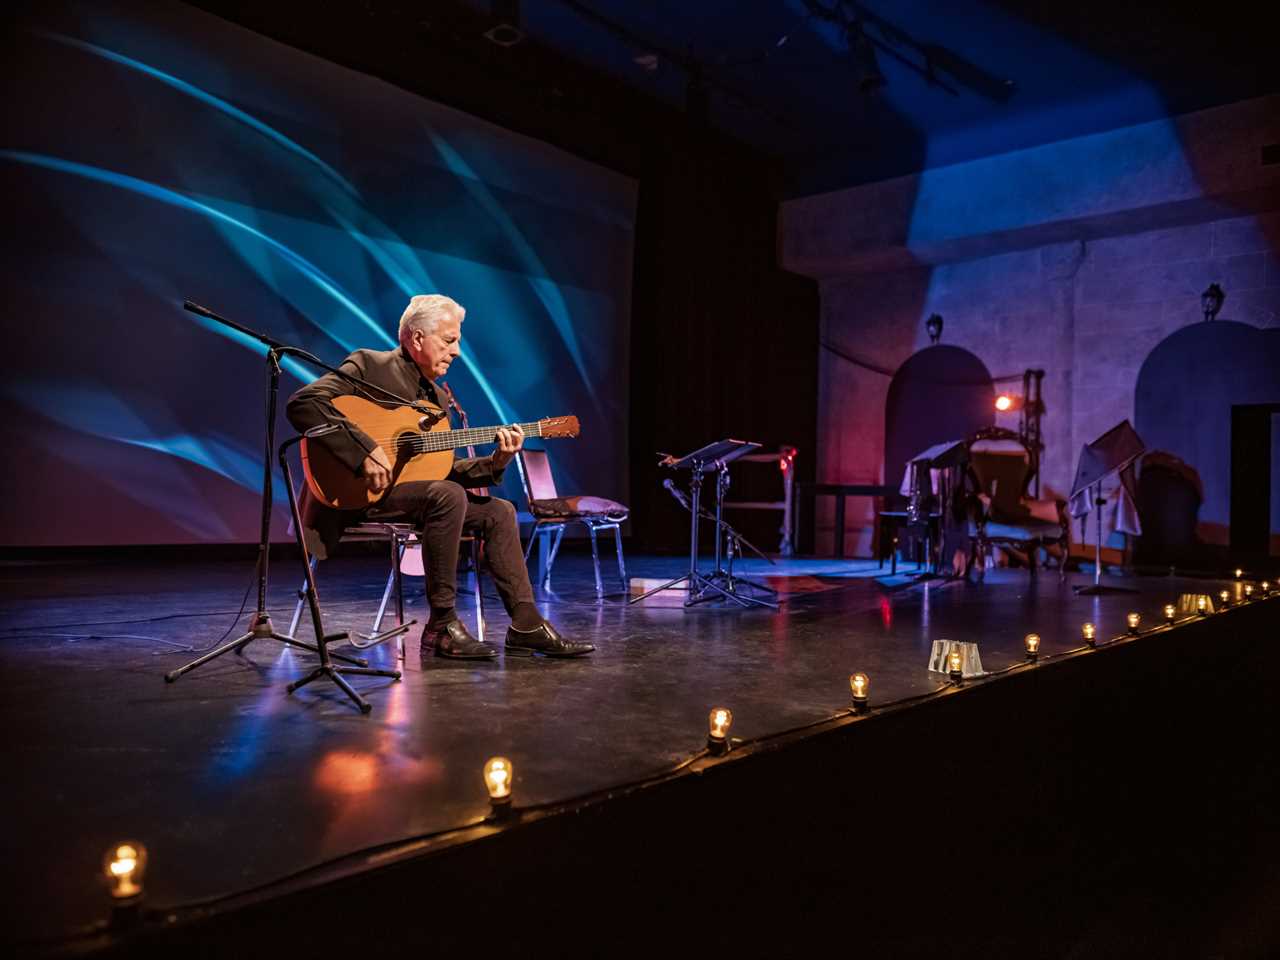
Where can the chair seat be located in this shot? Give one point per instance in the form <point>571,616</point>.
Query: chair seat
<point>576,508</point>
<point>1029,529</point>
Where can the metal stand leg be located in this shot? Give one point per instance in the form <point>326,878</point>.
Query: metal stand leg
<point>595,560</point>
<point>475,579</point>
<point>622,566</point>
<point>326,668</point>
<point>302,602</point>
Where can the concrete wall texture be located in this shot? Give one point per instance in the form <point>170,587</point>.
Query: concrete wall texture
<point>1078,258</point>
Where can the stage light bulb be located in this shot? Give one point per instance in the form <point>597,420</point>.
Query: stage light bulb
<point>1004,402</point>
<point>954,660</point>
<point>124,866</point>
<point>859,683</point>
<point>499,777</point>
<point>718,724</point>
<point>1266,587</point>
<point>1225,597</point>
<point>1133,619</point>
<point>1090,633</point>
<point>1248,589</point>
<point>1170,612</point>
<point>1202,604</point>
<point>1032,644</point>
<point>1239,573</point>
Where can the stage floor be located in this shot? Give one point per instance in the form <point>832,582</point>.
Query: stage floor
<point>231,783</point>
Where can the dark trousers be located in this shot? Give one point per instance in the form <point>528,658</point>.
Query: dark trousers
<point>442,511</point>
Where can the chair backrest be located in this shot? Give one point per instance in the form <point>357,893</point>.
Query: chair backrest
<point>1001,466</point>
<point>535,475</point>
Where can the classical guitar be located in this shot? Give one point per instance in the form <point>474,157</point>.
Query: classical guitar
<point>420,448</point>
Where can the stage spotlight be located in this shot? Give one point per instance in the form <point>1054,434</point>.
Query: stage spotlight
<point>955,663</point>
<point>1090,634</point>
<point>1031,642</point>
<point>718,724</point>
<point>124,866</point>
<point>1248,591</point>
<point>1266,587</point>
<point>1170,612</point>
<point>1239,573</point>
<point>499,778</point>
<point>1005,403</point>
<point>1133,619</point>
<point>1225,597</point>
<point>1202,605</point>
<point>858,685</point>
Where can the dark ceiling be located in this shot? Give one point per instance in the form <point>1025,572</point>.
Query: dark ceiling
<point>838,92</point>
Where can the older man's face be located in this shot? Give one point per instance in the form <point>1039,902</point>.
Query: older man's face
<point>433,352</point>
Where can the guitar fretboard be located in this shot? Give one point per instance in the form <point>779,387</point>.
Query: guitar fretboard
<point>452,439</point>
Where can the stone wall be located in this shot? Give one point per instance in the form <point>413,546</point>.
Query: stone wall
<point>1087,307</point>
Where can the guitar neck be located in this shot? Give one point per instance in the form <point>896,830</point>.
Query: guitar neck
<point>441,440</point>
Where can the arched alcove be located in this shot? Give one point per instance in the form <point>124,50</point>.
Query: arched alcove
<point>1186,393</point>
<point>940,393</point>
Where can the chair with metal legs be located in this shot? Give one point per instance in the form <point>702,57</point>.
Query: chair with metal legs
<point>403,542</point>
<point>552,513</point>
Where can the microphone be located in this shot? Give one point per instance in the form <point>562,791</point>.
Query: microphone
<point>321,431</point>
<point>680,497</point>
<point>196,308</point>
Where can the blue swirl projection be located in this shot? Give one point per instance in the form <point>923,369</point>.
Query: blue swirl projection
<point>204,96</point>
<point>155,153</point>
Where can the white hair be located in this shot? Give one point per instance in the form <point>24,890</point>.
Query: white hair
<point>426,310</point>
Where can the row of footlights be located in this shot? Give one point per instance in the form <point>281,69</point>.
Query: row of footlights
<point>126,862</point>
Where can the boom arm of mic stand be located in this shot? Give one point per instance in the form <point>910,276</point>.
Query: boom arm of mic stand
<point>281,348</point>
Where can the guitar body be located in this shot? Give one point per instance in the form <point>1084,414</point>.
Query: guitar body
<point>332,483</point>
<point>419,447</point>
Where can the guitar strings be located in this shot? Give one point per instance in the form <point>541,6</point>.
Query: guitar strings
<point>472,435</point>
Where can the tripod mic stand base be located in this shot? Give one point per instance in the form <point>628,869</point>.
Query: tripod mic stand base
<point>260,628</point>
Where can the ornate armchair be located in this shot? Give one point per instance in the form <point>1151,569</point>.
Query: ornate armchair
<point>1000,511</point>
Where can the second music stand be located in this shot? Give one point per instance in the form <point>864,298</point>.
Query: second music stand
<point>713,458</point>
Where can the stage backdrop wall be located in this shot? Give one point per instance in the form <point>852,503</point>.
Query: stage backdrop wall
<point>154,153</point>
<point>1080,258</point>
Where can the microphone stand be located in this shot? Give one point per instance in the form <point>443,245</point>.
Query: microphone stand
<point>260,626</point>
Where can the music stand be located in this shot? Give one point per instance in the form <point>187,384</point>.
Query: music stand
<point>1110,453</point>
<point>713,458</point>
<point>940,457</point>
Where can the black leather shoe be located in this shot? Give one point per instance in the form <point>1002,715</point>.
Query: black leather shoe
<point>544,641</point>
<point>452,639</point>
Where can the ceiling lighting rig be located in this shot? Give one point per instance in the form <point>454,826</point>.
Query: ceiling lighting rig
<point>867,33</point>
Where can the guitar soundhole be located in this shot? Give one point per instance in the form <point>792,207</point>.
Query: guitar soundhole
<point>405,445</point>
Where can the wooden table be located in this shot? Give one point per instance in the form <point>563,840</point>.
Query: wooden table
<point>809,492</point>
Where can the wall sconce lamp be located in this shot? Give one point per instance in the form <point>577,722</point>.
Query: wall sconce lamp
<point>1211,301</point>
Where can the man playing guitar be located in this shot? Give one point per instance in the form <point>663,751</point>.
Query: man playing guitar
<point>430,332</point>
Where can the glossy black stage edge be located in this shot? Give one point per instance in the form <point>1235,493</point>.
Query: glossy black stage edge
<point>319,771</point>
